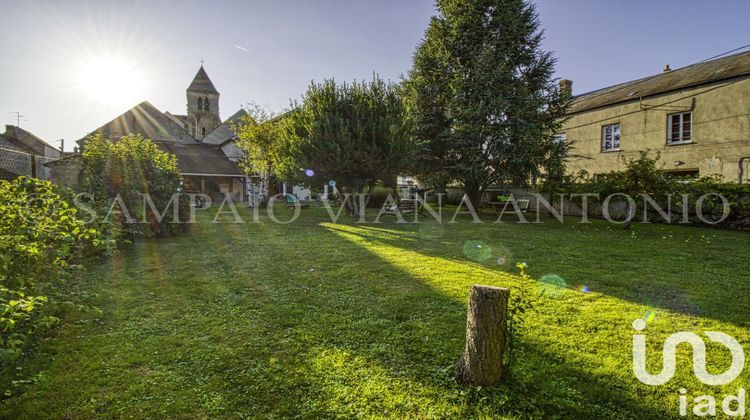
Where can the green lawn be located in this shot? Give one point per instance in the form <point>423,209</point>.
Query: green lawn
<point>315,319</point>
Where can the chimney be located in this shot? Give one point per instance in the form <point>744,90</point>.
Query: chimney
<point>566,87</point>
<point>666,69</point>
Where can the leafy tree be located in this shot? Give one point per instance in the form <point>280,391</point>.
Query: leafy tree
<point>260,136</point>
<point>129,168</point>
<point>355,134</point>
<point>481,95</point>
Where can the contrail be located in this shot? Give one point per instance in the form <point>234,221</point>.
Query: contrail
<point>241,48</point>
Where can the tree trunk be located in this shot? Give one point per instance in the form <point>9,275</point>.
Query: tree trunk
<point>486,328</point>
<point>474,194</point>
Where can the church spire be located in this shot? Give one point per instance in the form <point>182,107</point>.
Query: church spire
<point>201,83</point>
<point>202,105</point>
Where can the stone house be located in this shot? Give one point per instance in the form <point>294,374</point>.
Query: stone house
<point>697,117</point>
<point>23,153</point>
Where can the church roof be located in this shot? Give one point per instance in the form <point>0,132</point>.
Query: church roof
<point>146,120</point>
<point>201,83</point>
<point>223,132</point>
<point>200,158</point>
<point>181,120</point>
<point>192,157</point>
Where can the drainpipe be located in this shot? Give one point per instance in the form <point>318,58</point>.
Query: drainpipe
<point>742,170</point>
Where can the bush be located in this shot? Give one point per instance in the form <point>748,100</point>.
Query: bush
<point>644,176</point>
<point>378,196</point>
<point>118,174</point>
<point>41,238</point>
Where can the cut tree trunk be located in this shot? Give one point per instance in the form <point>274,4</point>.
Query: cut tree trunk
<point>486,329</point>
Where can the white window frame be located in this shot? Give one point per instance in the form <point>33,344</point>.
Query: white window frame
<point>614,147</point>
<point>681,139</point>
<point>560,137</point>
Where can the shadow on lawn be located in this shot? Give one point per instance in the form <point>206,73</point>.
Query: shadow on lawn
<point>382,321</point>
<point>658,266</point>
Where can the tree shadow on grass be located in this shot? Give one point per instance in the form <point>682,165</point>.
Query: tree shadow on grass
<point>367,337</point>
<point>323,321</point>
<point>680,269</point>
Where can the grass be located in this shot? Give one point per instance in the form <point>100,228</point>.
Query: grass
<point>315,319</point>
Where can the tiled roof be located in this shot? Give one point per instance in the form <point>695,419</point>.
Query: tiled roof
<point>11,143</point>
<point>200,159</point>
<point>148,121</point>
<point>201,83</point>
<point>26,140</point>
<point>737,65</point>
<point>180,120</point>
<point>223,132</point>
<point>192,157</point>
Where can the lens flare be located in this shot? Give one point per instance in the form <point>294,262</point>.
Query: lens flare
<point>649,316</point>
<point>584,289</point>
<point>332,183</point>
<point>503,254</point>
<point>553,285</point>
<point>477,250</point>
<point>309,172</point>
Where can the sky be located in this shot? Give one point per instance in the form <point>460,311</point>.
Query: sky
<point>59,58</point>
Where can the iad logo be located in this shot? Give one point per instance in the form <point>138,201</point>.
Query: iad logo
<point>699,357</point>
<point>706,404</point>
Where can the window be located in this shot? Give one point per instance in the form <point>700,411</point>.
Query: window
<point>682,173</point>
<point>610,137</point>
<point>559,138</point>
<point>205,104</point>
<point>203,131</point>
<point>200,104</point>
<point>679,128</point>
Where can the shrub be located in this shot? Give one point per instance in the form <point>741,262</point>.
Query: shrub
<point>41,238</point>
<point>378,196</point>
<point>644,176</point>
<point>118,174</point>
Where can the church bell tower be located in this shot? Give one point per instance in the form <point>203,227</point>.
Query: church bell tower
<point>202,106</point>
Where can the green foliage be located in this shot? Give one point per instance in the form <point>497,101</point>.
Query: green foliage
<point>119,173</point>
<point>481,95</point>
<point>521,305</point>
<point>644,175</point>
<point>378,195</point>
<point>260,137</point>
<point>355,134</point>
<point>42,236</point>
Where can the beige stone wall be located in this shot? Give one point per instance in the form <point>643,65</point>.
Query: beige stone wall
<point>67,172</point>
<point>720,131</point>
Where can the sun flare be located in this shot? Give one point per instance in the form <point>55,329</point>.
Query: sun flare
<point>110,81</point>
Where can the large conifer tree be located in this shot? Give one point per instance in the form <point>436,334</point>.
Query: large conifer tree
<point>482,95</point>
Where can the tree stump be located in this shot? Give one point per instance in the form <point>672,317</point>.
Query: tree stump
<point>486,328</point>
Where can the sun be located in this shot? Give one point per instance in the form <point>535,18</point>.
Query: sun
<point>110,81</point>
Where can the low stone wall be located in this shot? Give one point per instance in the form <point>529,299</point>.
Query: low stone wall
<point>67,172</point>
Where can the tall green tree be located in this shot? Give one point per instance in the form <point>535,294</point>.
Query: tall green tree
<point>352,133</point>
<point>260,136</point>
<point>482,96</point>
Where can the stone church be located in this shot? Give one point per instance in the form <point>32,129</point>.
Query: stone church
<point>203,144</point>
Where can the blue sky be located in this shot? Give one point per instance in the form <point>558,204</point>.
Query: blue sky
<point>51,49</point>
